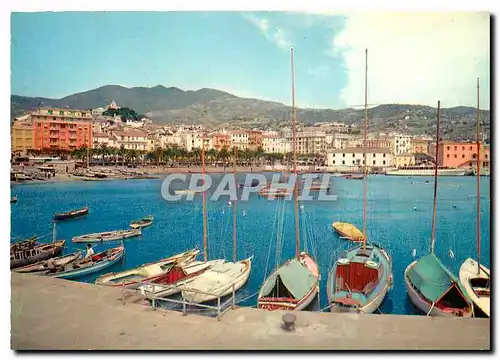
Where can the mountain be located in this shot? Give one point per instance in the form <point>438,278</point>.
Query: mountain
<point>219,108</point>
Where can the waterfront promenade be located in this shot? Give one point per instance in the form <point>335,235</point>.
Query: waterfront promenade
<point>54,314</point>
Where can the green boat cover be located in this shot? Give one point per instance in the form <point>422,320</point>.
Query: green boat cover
<point>432,278</point>
<point>295,276</point>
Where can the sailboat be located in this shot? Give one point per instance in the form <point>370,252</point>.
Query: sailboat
<point>294,284</point>
<point>361,277</point>
<point>431,286</point>
<point>220,279</point>
<point>475,277</point>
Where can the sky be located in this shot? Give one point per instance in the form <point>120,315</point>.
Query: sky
<point>413,58</point>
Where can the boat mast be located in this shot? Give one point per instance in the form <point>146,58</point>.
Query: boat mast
<point>205,253</point>
<point>433,237</point>
<point>234,207</point>
<point>294,124</point>
<point>365,173</point>
<point>478,199</point>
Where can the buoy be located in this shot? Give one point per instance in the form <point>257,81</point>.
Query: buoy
<point>302,207</point>
<point>229,203</point>
<point>454,205</point>
<point>452,255</point>
<point>414,253</point>
<point>244,213</point>
<point>414,208</point>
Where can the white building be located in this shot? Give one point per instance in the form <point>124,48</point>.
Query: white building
<point>134,139</point>
<point>276,145</point>
<point>239,139</point>
<point>354,157</point>
<point>337,141</point>
<point>194,140</point>
<point>401,144</point>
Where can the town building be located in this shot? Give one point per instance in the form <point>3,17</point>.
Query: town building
<point>274,144</point>
<point>132,140</point>
<point>337,141</point>
<point>254,139</point>
<point>66,129</point>
<point>239,139</point>
<point>354,157</point>
<point>401,160</point>
<point>462,154</point>
<point>309,142</point>
<point>220,141</point>
<point>385,143</point>
<point>401,144</point>
<point>22,136</point>
<point>420,146</point>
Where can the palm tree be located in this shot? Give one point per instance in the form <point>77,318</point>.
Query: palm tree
<point>122,152</point>
<point>104,152</point>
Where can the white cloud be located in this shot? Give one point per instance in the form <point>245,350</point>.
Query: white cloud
<point>416,58</point>
<point>276,34</point>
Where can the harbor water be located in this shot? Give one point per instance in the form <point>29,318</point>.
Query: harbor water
<point>399,218</point>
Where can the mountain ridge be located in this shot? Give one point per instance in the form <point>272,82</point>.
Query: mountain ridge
<point>220,108</point>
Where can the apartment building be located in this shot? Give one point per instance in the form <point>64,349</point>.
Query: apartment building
<point>220,141</point>
<point>420,146</point>
<point>274,144</point>
<point>132,140</point>
<point>239,139</point>
<point>22,136</point>
<point>354,157</point>
<point>66,129</point>
<point>254,139</point>
<point>309,142</point>
<point>401,144</point>
<point>401,160</point>
<point>463,154</point>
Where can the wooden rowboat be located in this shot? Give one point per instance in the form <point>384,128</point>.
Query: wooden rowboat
<point>142,223</point>
<point>348,231</point>
<point>72,214</point>
<point>354,177</point>
<point>107,236</point>
<point>171,281</point>
<point>25,244</point>
<point>477,286</point>
<point>146,272</point>
<point>36,254</point>
<point>44,265</point>
<point>80,268</point>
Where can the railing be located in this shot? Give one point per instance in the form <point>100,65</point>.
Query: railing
<point>220,308</point>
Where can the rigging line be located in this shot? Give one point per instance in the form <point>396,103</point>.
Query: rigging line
<point>270,243</point>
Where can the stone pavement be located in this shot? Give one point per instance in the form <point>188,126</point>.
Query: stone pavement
<point>52,314</point>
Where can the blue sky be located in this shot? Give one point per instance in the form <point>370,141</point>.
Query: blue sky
<point>247,54</point>
<point>56,54</point>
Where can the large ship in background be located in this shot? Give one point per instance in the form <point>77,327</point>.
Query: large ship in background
<point>426,171</point>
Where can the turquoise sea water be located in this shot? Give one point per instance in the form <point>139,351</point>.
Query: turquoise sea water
<point>392,223</point>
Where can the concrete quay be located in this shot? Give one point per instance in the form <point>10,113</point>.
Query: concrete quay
<point>54,314</point>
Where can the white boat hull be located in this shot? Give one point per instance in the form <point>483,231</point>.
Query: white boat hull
<point>221,289</point>
<point>468,271</point>
<point>423,304</point>
<point>427,172</point>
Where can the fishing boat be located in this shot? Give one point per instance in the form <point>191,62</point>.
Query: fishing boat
<point>431,286</point>
<point>253,184</point>
<point>293,284</point>
<point>348,231</point>
<point>475,277</point>
<point>222,278</point>
<point>171,281</point>
<point>361,277</point>
<point>354,176</point>
<point>425,171</point>
<point>13,199</point>
<point>72,214</point>
<point>272,193</point>
<point>38,253</point>
<point>142,223</point>
<point>184,191</point>
<point>146,272</point>
<point>80,268</point>
<point>24,244</point>
<point>107,236</point>
<point>44,265</point>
